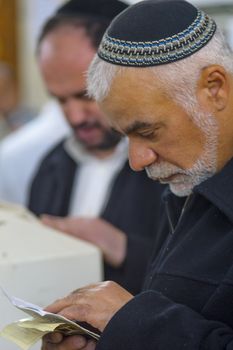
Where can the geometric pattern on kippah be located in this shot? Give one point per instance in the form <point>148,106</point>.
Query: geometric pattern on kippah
<point>152,53</point>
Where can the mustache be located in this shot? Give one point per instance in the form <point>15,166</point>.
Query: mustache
<point>86,125</point>
<point>162,171</point>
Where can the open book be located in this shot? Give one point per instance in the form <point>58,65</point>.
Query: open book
<point>28,331</point>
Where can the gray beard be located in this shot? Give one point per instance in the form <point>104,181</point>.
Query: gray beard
<point>205,167</point>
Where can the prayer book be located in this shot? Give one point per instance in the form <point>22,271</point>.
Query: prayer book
<point>28,331</point>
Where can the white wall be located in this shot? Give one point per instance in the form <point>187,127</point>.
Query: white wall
<point>32,13</point>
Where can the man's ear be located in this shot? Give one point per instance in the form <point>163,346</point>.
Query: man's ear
<point>213,88</point>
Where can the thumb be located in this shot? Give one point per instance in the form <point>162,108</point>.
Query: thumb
<point>53,221</point>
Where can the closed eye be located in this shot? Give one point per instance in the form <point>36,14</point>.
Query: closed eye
<point>146,133</point>
<point>149,134</point>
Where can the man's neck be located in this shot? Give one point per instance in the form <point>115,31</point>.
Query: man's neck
<point>101,154</point>
<point>79,153</point>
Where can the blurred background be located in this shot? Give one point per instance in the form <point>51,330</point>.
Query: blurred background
<point>20,23</point>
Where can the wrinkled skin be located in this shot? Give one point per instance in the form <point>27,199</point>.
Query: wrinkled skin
<point>95,304</point>
<point>59,342</point>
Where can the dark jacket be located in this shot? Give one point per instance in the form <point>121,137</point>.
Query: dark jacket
<point>133,206</point>
<point>188,297</point>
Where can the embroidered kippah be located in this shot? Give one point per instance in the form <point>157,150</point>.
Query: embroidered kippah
<point>155,32</point>
<point>104,8</point>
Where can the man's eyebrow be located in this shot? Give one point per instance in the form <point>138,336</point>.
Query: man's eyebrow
<point>137,125</point>
<point>79,94</point>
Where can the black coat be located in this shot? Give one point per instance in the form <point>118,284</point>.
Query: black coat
<point>133,206</point>
<point>188,297</point>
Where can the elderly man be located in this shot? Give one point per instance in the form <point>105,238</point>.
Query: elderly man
<point>164,77</point>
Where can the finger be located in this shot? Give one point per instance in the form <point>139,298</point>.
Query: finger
<point>75,342</point>
<point>56,306</point>
<point>89,287</point>
<point>54,338</point>
<point>61,224</point>
<point>91,345</point>
<point>49,220</point>
<point>51,341</point>
<point>77,312</point>
<point>71,343</point>
<point>73,298</point>
<point>60,304</point>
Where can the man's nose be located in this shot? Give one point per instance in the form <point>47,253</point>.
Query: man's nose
<point>140,155</point>
<point>76,111</point>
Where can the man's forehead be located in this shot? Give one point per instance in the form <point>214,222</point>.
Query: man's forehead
<point>133,91</point>
<point>67,43</point>
<point>124,89</point>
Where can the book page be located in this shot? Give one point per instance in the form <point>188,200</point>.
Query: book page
<point>27,332</point>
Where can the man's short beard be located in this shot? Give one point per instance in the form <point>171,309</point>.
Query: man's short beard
<point>110,140</point>
<point>204,167</point>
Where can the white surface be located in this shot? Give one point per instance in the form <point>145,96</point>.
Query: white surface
<point>39,264</point>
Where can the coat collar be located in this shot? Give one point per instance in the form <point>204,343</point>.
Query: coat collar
<point>218,189</point>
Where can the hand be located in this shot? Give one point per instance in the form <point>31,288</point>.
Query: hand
<point>95,304</point>
<point>110,240</point>
<point>56,341</point>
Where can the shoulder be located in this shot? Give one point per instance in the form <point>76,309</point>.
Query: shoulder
<point>56,157</point>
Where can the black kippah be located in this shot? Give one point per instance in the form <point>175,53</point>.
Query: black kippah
<point>155,32</point>
<point>104,8</point>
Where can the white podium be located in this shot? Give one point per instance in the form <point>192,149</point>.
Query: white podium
<point>39,264</point>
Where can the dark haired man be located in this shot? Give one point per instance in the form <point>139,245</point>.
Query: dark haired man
<point>86,179</point>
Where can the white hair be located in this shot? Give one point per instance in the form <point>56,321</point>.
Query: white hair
<point>179,79</point>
